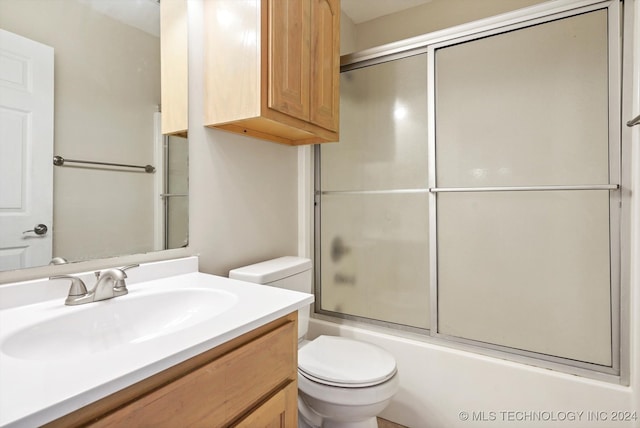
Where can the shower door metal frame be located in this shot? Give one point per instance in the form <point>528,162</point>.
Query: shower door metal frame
<point>619,180</point>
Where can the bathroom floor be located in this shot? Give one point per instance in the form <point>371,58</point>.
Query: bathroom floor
<point>383,423</point>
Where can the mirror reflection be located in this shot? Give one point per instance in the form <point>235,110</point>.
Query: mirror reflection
<point>80,79</point>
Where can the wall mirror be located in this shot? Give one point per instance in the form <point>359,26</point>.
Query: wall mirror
<point>80,79</point>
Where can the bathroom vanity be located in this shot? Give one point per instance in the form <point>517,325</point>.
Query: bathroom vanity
<point>251,378</point>
<point>182,348</point>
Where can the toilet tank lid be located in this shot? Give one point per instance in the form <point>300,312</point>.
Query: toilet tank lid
<point>271,270</point>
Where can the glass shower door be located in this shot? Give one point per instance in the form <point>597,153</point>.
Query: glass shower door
<point>526,162</point>
<point>372,201</point>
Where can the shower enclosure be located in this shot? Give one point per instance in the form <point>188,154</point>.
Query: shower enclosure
<point>475,196</point>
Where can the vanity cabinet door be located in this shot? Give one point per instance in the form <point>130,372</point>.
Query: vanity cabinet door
<point>279,411</point>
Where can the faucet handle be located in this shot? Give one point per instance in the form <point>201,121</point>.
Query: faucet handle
<point>122,269</point>
<point>77,285</point>
<point>120,286</point>
<point>77,291</point>
<point>112,273</point>
<point>135,265</point>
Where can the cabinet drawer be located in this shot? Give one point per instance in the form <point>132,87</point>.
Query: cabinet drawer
<point>220,391</point>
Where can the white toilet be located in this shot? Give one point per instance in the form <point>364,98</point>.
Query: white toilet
<point>342,383</point>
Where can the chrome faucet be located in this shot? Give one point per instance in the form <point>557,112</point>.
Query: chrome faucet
<point>109,283</point>
<point>106,284</point>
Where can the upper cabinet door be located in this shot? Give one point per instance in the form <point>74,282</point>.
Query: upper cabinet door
<point>325,63</point>
<point>289,36</point>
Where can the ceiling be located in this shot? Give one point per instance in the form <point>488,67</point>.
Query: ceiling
<point>366,10</point>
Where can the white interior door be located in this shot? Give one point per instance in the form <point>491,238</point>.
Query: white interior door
<point>26,152</point>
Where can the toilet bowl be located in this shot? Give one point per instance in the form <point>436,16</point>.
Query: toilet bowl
<point>333,407</point>
<point>345,382</point>
<point>342,383</point>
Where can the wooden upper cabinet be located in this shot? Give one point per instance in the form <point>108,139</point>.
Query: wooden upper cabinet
<point>272,69</point>
<point>174,86</point>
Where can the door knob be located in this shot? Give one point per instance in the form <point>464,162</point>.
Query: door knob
<point>40,229</point>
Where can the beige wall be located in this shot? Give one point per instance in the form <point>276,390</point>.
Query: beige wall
<point>97,213</point>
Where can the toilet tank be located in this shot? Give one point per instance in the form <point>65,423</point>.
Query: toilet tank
<point>291,273</point>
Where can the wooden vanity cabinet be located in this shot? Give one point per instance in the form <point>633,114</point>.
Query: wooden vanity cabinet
<point>272,69</point>
<point>250,381</point>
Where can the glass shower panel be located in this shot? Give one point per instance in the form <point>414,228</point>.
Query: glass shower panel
<point>527,270</point>
<point>178,230</point>
<point>374,256</point>
<point>526,107</point>
<point>383,116</point>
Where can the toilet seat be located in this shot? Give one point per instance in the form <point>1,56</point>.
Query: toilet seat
<point>338,361</point>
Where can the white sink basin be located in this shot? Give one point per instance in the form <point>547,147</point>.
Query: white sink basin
<point>109,324</point>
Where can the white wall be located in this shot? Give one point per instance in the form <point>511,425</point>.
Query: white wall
<point>438,383</point>
<point>107,88</point>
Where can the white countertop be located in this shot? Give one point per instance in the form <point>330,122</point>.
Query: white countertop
<point>34,392</point>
